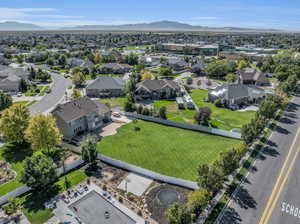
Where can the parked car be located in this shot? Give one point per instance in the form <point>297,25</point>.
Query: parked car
<point>116,114</point>
<point>19,94</point>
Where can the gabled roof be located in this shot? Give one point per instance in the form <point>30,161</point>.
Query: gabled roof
<point>7,71</point>
<point>106,82</point>
<point>78,108</point>
<point>251,74</point>
<point>232,91</point>
<point>153,85</point>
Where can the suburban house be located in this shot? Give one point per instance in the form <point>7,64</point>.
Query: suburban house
<point>158,89</point>
<point>80,115</point>
<point>199,67</point>
<point>106,86</point>
<point>75,62</point>
<point>115,68</point>
<point>176,64</point>
<point>252,76</point>
<point>11,78</point>
<point>237,94</point>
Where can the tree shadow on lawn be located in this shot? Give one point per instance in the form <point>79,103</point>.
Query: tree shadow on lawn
<point>14,153</point>
<point>34,201</point>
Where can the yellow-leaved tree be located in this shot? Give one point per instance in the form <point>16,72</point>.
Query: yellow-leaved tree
<point>42,132</point>
<point>13,123</point>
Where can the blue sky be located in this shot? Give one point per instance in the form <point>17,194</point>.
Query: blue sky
<point>278,14</point>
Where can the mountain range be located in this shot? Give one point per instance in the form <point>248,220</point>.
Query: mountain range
<point>153,26</point>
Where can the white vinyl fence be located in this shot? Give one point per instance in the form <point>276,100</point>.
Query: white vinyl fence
<point>191,127</point>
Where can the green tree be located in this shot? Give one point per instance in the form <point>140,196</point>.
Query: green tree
<point>210,178</point>
<point>230,77</point>
<point>198,200</point>
<point>132,59</point>
<point>165,71</point>
<point>218,68</point>
<point>202,117</point>
<point>62,60</point>
<point>178,214</point>
<point>42,132</point>
<point>14,122</point>
<point>89,151</point>
<point>76,94</point>
<point>39,172</point>
<point>13,206</point>
<point>5,101</point>
<point>243,64</point>
<point>162,113</point>
<point>228,161</point>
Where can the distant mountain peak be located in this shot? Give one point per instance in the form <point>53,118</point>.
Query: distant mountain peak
<point>13,25</point>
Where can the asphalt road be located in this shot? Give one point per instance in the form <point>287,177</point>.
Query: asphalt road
<point>49,101</point>
<point>271,191</point>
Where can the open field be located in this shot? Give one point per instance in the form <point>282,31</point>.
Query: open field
<point>222,118</point>
<point>166,150</point>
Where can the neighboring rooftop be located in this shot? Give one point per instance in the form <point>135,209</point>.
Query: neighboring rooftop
<point>106,82</point>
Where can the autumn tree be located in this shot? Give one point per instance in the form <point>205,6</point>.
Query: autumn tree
<point>78,78</point>
<point>14,122</point>
<point>146,75</point>
<point>42,132</point>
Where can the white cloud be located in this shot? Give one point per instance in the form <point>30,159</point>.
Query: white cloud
<point>33,14</point>
<point>13,13</point>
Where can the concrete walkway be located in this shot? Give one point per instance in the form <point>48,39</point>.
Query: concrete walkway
<point>135,184</point>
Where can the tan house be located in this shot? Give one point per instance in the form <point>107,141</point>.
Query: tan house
<point>80,115</point>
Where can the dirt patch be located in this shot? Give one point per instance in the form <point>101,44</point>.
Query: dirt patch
<point>156,208</point>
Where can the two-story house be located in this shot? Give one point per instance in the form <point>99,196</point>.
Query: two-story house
<point>80,115</point>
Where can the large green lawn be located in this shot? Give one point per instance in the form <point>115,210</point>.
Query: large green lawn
<point>222,118</point>
<point>166,150</point>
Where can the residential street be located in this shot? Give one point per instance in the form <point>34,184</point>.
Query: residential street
<point>270,193</point>
<point>49,101</point>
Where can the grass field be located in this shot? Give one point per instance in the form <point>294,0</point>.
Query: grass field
<point>114,102</point>
<point>166,150</point>
<point>222,118</point>
<point>174,114</point>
